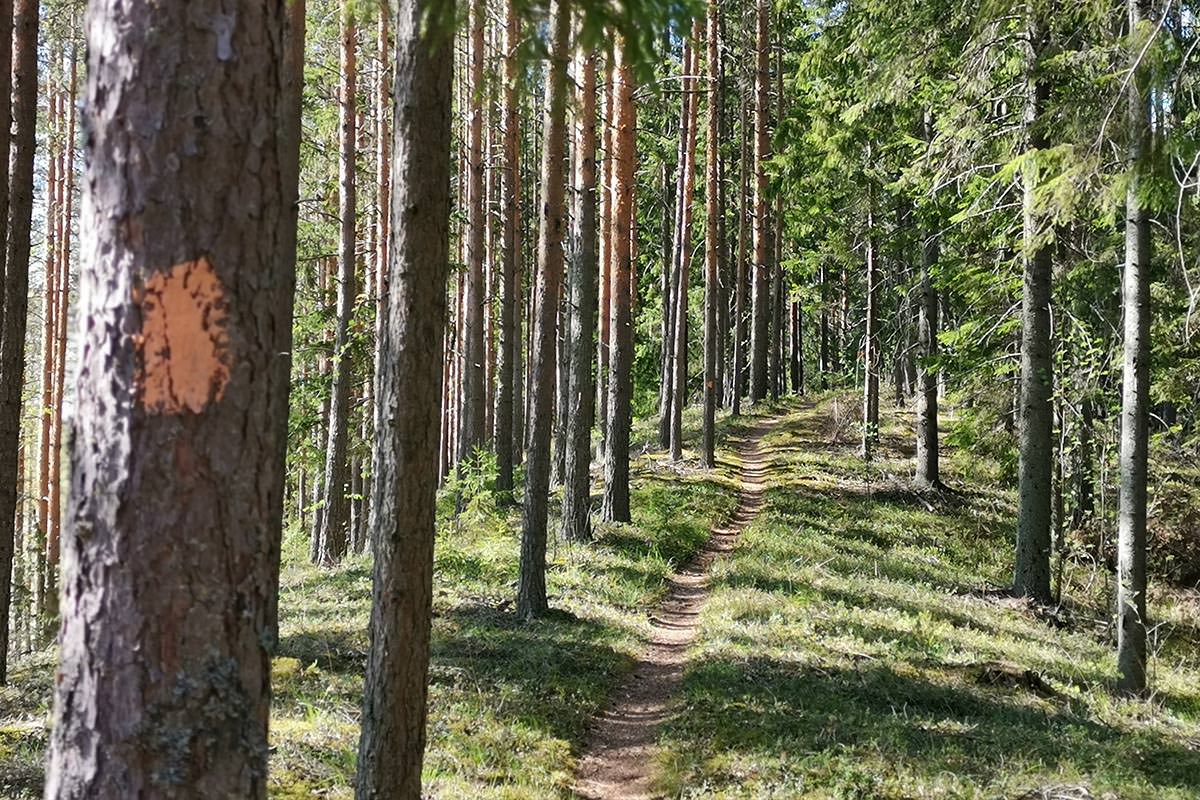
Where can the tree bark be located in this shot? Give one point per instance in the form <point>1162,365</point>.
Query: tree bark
<point>392,744</point>
<point>620,378</point>
<point>760,331</point>
<point>531,589</point>
<point>604,335</point>
<point>1031,576</point>
<point>335,521</point>
<point>871,359</point>
<point>577,500</point>
<point>713,243</point>
<point>510,192</point>
<point>471,436</point>
<point>1135,382</point>
<point>740,265</point>
<point>683,259</point>
<point>928,473</point>
<point>15,289</point>
<point>177,450</point>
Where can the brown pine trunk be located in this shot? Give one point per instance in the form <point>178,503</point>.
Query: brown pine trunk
<point>761,268</point>
<point>683,258</point>
<point>620,376</point>
<point>335,521</point>
<point>16,290</point>
<point>531,588</point>
<point>179,464</point>
<point>383,185</point>
<point>712,238</point>
<point>740,265</point>
<point>604,332</point>
<point>673,246</point>
<point>392,743</point>
<point>577,497</point>
<point>510,289</point>
<point>471,435</point>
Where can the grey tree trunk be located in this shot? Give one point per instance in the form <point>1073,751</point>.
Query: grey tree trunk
<point>577,497</point>
<point>182,394</point>
<point>928,473</point>
<point>761,269</point>
<point>1135,383</point>
<point>683,271</point>
<point>335,521</point>
<point>1031,576</point>
<point>14,290</point>
<point>392,743</point>
<point>472,433</point>
<point>620,378</point>
<point>531,587</point>
<point>871,354</point>
<point>712,237</point>
<point>740,263</point>
<point>510,193</point>
<point>674,201</point>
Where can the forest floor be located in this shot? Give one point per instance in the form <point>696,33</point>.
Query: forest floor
<point>853,645</point>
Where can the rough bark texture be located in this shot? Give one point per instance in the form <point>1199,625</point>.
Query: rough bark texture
<point>1031,576</point>
<point>1135,387</point>
<point>471,424</point>
<point>620,377</point>
<point>761,268</point>
<point>335,521</point>
<point>531,589</point>
<point>740,290</point>
<point>603,347</point>
<point>15,290</point>
<point>577,495</point>
<point>510,193</point>
<point>927,350</point>
<point>712,237</point>
<point>172,547</point>
<point>687,184</point>
<point>392,744</point>
<point>383,169</point>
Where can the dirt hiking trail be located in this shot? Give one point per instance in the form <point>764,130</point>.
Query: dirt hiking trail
<point>618,761</point>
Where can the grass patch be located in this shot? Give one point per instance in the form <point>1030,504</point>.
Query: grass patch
<point>854,647</point>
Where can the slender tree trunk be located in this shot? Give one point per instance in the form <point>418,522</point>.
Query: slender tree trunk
<point>620,379</point>
<point>16,290</point>
<point>674,205</point>
<point>471,430</point>
<point>604,333</point>
<point>740,265</point>
<point>577,500</point>
<point>795,345</point>
<point>383,177</point>
<point>531,589</point>
<point>824,345</point>
<point>760,332</point>
<point>1032,572</point>
<point>871,359</point>
<point>510,193</point>
<point>712,237</point>
<point>687,184</point>
<point>335,521</point>
<point>392,743</point>
<point>179,464</point>
<point>1135,382</point>
<point>928,474</point>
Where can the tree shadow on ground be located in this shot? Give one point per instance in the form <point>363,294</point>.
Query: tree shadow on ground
<point>910,726</point>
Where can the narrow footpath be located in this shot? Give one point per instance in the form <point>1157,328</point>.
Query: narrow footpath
<point>618,761</point>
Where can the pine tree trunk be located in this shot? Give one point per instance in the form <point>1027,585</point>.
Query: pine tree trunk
<point>604,333</point>
<point>510,193</point>
<point>824,344</point>
<point>871,359</point>
<point>687,185</point>
<point>335,521</point>
<point>712,237</point>
<point>1031,576</point>
<point>577,500</point>
<point>383,185</point>
<point>740,265</point>
<point>471,435</point>
<point>928,474</point>
<point>760,348</point>
<point>1135,383</point>
<point>531,589</point>
<point>620,377</point>
<point>392,744</point>
<point>674,208</point>
<point>179,464</point>
<point>15,289</point>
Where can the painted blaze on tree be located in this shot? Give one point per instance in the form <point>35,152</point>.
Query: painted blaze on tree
<point>171,550</point>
